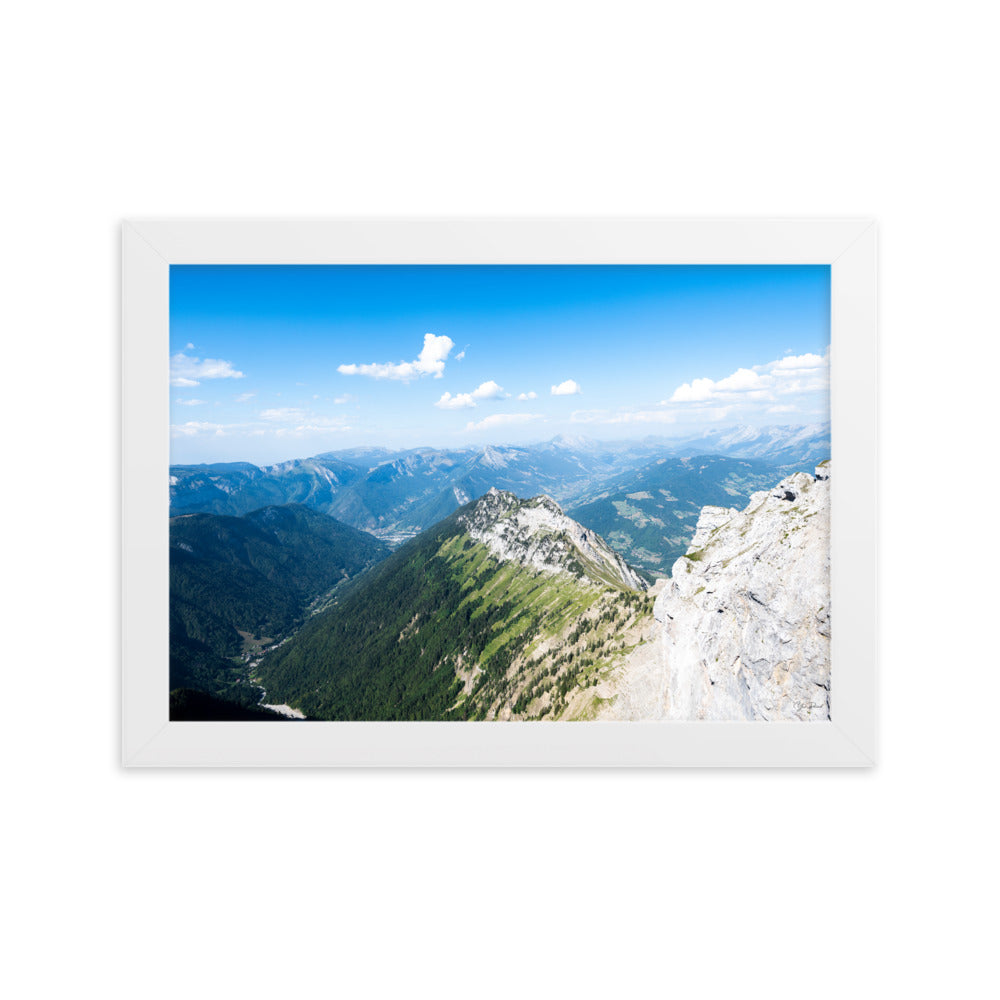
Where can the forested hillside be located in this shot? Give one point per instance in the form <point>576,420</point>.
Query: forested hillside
<point>447,629</point>
<point>237,583</point>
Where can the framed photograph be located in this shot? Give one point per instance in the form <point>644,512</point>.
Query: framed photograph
<point>499,492</point>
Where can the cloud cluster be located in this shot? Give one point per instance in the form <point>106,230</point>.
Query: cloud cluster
<point>311,424</point>
<point>186,371</point>
<point>527,395</point>
<point>791,384</point>
<point>460,401</point>
<point>279,422</point>
<point>501,420</point>
<point>791,375</point>
<point>467,400</point>
<point>567,388</point>
<point>195,428</point>
<point>429,362</point>
<point>709,415</point>
<point>283,413</point>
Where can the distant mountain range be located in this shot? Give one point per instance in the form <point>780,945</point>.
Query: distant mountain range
<point>790,448</point>
<point>396,494</point>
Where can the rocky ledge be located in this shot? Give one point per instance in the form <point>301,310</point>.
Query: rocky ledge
<point>744,621</point>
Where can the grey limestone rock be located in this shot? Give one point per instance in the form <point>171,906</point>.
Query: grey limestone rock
<point>538,534</point>
<point>744,621</point>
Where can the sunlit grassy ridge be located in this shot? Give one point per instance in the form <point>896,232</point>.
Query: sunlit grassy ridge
<point>445,630</point>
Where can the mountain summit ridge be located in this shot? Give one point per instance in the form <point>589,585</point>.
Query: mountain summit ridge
<point>538,534</point>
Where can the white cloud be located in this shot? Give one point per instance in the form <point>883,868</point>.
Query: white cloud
<point>783,408</point>
<point>346,398</point>
<point>703,414</point>
<point>527,395</point>
<point>742,380</point>
<point>567,388</point>
<point>501,420</point>
<point>276,423</point>
<point>461,401</point>
<point>189,347</point>
<point>791,375</point>
<point>430,362</point>
<point>819,381</point>
<point>245,397</point>
<point>693,392</point>
<point>195,428</point>
<point>460,355</point>
<point>190,402</point>
<point>314,425</point>
<point>283,413</point>
<point>489,390</point>
<point>800,363</point>
<point>186,371</point>
<point>467,400</point>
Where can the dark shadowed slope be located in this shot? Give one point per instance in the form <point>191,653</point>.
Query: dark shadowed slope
<point>237,581</point>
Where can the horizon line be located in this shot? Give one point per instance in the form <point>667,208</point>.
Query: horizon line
<point>483,447</point>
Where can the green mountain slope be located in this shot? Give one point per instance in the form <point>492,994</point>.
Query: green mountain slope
<point>462,623</point>
<point>238,582</point>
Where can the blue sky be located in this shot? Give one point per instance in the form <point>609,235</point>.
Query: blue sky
<point>275,362</point>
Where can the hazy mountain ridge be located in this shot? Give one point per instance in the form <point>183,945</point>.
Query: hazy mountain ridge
<point>804,444</point>
<point>397,494</point>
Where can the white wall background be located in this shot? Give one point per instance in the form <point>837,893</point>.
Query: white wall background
<point>496,884</point>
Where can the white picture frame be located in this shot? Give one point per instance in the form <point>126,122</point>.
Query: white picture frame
<point>150,246</point>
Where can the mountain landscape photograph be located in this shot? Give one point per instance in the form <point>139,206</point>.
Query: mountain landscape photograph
<point>499,493</point>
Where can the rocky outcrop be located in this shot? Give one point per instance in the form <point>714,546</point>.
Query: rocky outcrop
<point>538,534</point>
<point>744,622</point>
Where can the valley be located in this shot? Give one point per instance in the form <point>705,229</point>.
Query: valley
<point>239,583</point>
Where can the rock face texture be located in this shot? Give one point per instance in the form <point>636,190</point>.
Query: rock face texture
<point>744,622</point>
<point>538,534</point>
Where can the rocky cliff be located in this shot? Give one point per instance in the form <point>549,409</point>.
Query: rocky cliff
<point>744,622</point>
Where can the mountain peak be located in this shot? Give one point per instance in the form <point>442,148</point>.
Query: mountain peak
<point>538,534</point>
<point>571,441</point>
<point>493,457</point>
